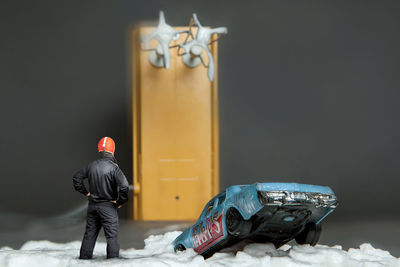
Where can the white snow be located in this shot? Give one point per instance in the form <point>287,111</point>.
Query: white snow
<point>158,251</point>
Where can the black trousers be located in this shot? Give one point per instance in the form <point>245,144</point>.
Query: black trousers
<point>101,215</point>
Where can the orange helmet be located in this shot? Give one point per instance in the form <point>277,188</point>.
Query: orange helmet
<point>106,144</point>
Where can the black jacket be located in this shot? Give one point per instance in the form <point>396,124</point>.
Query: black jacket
<point>106,181</point>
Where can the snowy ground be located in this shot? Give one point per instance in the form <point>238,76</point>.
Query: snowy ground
<point>159,252</point>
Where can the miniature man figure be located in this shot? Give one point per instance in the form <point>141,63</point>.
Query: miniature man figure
<point>108,190</point>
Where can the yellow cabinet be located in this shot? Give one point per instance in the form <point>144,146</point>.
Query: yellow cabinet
<point>175,135</point>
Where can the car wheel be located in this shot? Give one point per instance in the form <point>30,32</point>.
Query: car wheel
<point>310,235</point>
<point>235,224</point>
<point>180,247</point>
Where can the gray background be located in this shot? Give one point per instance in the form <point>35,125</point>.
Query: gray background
<point>309,92</point>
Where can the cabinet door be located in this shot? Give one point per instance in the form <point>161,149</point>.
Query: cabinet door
<point>175,138</point>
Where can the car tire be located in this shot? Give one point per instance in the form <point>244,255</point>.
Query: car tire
<point>310,234</point>
<point>235,224</point>
<point>180,247</point>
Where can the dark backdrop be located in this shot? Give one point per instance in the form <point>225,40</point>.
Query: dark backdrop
<point>309,92</point>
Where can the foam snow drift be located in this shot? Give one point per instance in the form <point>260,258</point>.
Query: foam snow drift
<point>158,251</point>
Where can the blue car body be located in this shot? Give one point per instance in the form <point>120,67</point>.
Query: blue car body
<point>267,206</point>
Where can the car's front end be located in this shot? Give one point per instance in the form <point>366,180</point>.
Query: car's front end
<point>183,241</point>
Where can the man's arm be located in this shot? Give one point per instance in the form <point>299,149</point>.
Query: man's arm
<point>123,187</point>
<point>77,181</point>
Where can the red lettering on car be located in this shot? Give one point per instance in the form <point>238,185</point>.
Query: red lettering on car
<point>204,236</point>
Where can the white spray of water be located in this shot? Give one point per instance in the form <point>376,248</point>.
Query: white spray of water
<point>158,251</point>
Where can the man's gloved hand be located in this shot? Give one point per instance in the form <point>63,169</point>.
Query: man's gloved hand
<point>115,202</point>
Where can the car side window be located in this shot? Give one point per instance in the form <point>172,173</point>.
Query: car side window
<point>209,209</point>
<point>221,198</point>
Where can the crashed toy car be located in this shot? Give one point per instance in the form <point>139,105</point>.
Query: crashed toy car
<point>261,212</point>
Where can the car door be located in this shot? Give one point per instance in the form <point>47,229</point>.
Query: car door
<point>214,219</point>
<point>200,236</point>
<point>209,228</point>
